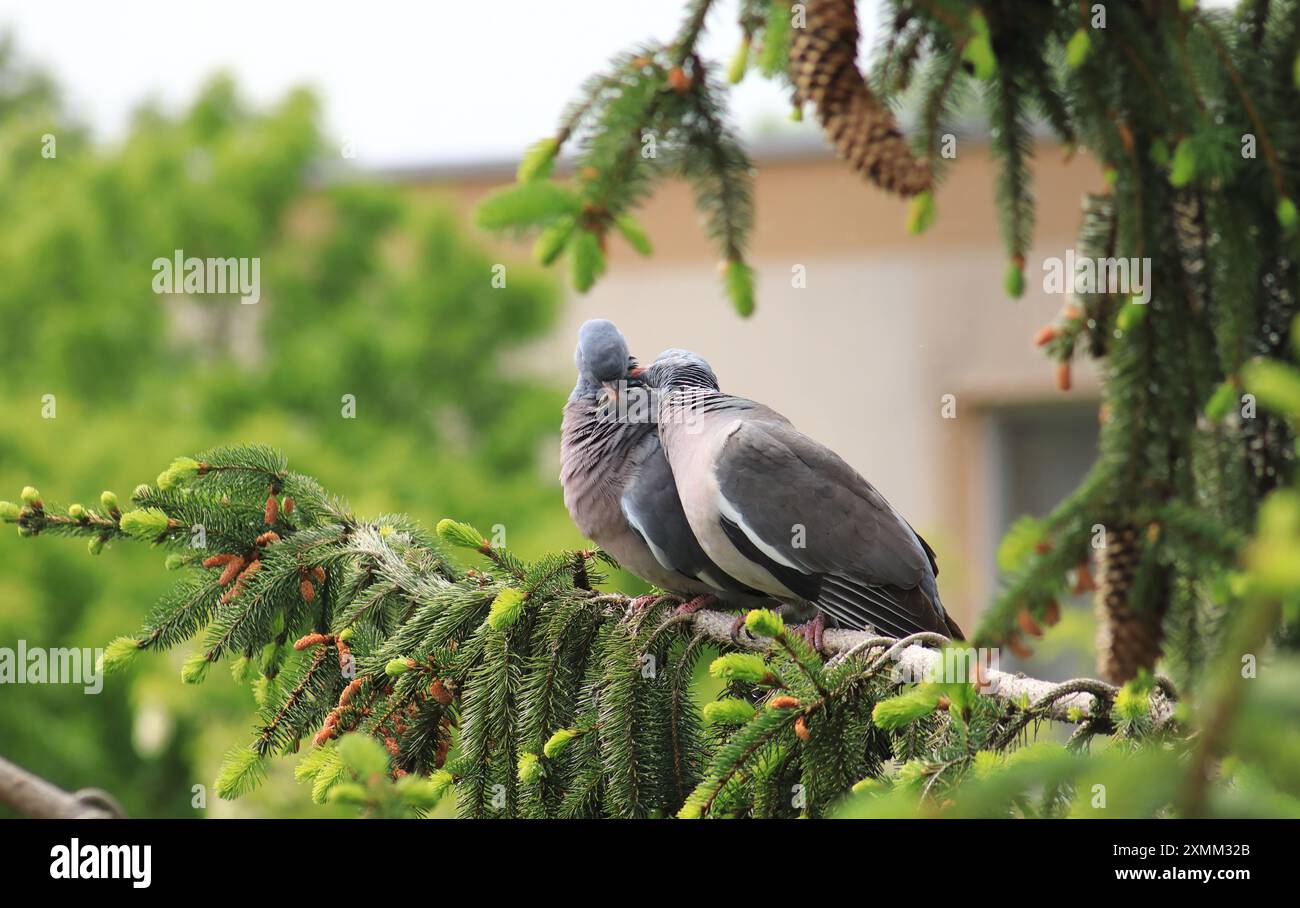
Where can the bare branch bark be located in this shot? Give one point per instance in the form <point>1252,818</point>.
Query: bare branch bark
<point>34,797</point>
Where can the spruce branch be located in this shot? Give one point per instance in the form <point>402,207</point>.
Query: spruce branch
<point>917,661</point>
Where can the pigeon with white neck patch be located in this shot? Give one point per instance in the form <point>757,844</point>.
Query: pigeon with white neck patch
<point>783,514</point>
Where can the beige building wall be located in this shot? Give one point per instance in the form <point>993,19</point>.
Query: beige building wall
<point>886,326</point>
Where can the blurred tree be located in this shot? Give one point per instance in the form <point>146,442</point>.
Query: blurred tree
<point>364,292</point>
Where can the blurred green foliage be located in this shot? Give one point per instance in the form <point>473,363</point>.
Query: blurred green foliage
<point>365,292</point>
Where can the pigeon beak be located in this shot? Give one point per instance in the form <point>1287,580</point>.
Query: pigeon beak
<point>636,373</point>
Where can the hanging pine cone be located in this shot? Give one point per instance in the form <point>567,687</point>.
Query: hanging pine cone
<point>1127,640</point>
<point>823,65</point>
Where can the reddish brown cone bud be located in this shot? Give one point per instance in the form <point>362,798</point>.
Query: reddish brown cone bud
<point>1063,376</point>
<point>1017,646</point>
<point>352,688</point>
<point>233,569</point>
<point>1052,613</point>
<point>1028,624</point>
<point>1083,582</point>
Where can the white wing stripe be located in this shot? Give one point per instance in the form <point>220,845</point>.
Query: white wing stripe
<point>660,555</point>
<point>728,510</point>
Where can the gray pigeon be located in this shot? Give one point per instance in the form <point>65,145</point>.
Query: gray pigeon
<point>783,514</point>
<point>617,484</point>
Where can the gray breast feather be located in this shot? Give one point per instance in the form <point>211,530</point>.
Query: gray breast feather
<point>652,506</point>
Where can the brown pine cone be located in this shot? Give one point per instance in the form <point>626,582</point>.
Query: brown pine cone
<point>1127,639</point>
<point>823,65</point>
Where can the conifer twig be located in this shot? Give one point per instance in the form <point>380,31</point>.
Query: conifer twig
<point>917,661</point>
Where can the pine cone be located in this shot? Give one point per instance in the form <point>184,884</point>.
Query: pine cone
<point>823,64</point>
<point>1127,640</point>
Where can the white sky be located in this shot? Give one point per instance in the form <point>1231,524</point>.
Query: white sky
<point>410,81</point>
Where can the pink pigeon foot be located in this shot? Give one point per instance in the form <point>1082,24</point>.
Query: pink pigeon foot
<point>691,606</point>
<point>738,628</point>
<point>812,632</point>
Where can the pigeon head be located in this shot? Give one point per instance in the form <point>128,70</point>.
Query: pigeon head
<point>680,369</point>
<point>601,356</point>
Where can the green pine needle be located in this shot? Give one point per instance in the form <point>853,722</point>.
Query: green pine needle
<point>775,52</point>
<point>459,534</point>
<point>395,667</point>
<point>764,623</point>
<point>181,469</point>
<point>743,667</point>
<point>120,653</point>
<point>530,768</point>
<point>1014,282</point>
<point>739,279</point>
<point>145,524</point>
<point>739,62</point>
<point>1275,384</point>
<point>920,213</point>
<point>1183,169</point>
<point>330,771</point>
<point>312,762</point>
<point>553,240</point>
<point>1018,545</point>
<point>538,160</point>
<point>195,668</point>
<point>442,781</point>
<point>1222,402</point>
<point>586,260</point>
<point>1286,214</point>
<point>506,608</point>
<point>558,742</point>
<point>348,793</point>
<point>633,233</point>
<point>419,792</point>
<point>898,711</point>
<point>1076,50</point>
<point>979,54</point>
<point>526,205</point>
<point>241,772</point>
<point>728,711</point>
<point>363,755</point>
